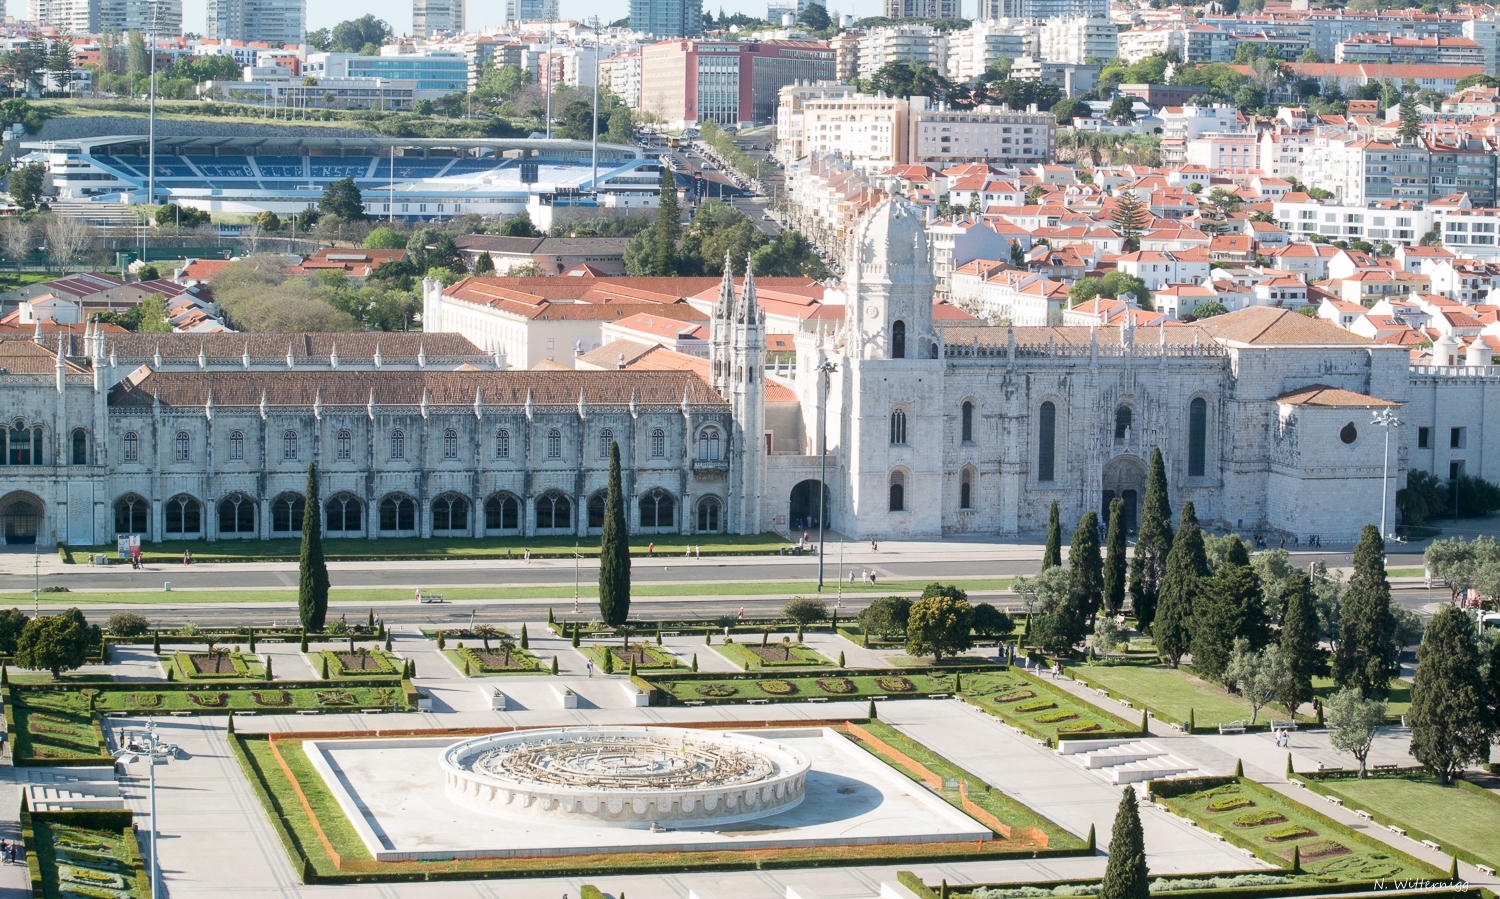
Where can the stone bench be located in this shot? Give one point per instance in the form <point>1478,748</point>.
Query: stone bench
<point>1364,814</point>
<point>372,711</point>
<point>1383,767</point>
<point>1126,703</point>
<point>181,714</point>
<point>1432,844</point>
<point>1102,692</point>
<point>1486,869</point>
<point>429,597</point>
<point>1398,831</point>
<point>269,640</point>
<point>880,697</point>
<point>1231,728</point>
<point>818,699</point>
<point>757,702</point>
<point>693,702</point>
<point>937,696</point>
<point>307,711</point>
<point>1283,725</point>
<point>1333,799</point>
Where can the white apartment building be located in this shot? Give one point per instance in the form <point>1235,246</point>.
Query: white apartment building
<point>1192,43</point>
<point>973,51</point>
<point>1401,223</point>
<point>868,130</point>
<point>1078,40</point>
<point>960,240</point>
<point>1469,232</point>
<point>1224,152</point>
<point>624,77</point>
<point>430,17</point>
<point>1426,51</point>
<point>994,134</point>
<point>270,21</point>
<point>1281,152</point>
<point>1359,170</point>
<point>1159,268</point>
<point>1188,122</point>
<point>915,44</point>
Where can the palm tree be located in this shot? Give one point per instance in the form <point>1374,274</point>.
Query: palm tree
<point>506,645</point>
<point>485,632</point>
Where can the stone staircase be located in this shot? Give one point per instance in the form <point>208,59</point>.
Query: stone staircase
<point>61,789</point>
<point>1126,761</point>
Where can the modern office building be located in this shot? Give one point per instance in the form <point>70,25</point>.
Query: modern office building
<point>274,22</point>
<point>667,18</point>
<point>517,11</point>
<point>437,74</point>
<point>727,83</point>
<point>95,16</point>
<point>430,17</point>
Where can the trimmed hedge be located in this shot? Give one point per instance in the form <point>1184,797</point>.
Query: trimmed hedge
<point>1311,782</point>
<point>188,670</point>
<point>29,760</point>
<point>99,820</point>
<point>336,667</point>
<point>680,676</point>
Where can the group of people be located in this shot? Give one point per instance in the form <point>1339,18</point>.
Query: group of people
<point>1283,737</point>
<point>9,850</point>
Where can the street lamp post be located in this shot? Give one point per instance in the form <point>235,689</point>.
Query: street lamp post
<point>1385,418</point>
<point>826,369</point>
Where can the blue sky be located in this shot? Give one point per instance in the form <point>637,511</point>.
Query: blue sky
<point>326,14</point>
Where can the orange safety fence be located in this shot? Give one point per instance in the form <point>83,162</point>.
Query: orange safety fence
<point>306,806</point>
<point>922,771</point>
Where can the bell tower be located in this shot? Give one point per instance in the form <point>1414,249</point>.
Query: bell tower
<point>890,285</point>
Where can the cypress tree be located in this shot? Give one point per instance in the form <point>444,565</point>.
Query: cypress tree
<point>575,635</point>
<point>302,644</point>
<point>525,643</point>
<point>156,642</point>
<point>229,726</point>
<point>325,667</point>
<point>1366,654</point>
<point>1491,682</point>
<point>841,659</point>
<point>387,642</point>
<point>251,639</point>
<point>554,664</point>
<point>1299,641</point>
<point>312,583</point>
<point>695,662</point>
<point>1085,569</point>
<point>1126,876</point>
<point>269,675</point>
<point>632,665</point>
<point>1187,565</point>
<point>1450,724</point>
<point>614,550</point>
<point>871,713</point>
<point>1114,558</point>
<point>609,660</point>
<point>1092,839</point>
<point>1052,555</point>
<point>1153,544</point>
<point>370,620</point>
<point>1228,607</point>
<point>1296,859</point>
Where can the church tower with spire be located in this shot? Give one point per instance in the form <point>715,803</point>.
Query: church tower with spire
<point>737,353</point>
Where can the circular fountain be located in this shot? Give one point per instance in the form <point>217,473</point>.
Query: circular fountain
<point>636,777</point>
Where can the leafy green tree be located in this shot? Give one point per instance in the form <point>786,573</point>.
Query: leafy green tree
<point>1110,286</point>
<point>312,580</point>
<point>815,17</point>
<point>1230,607</point>
<point>1208,310</point>
<point>1181,584</point>
<point>27,184</point>
<point>343,199</point>
<point>789,255</point>
<point>354,35</point>
<point>885,617</point>
<point>484,264</point>
<point>940,623</point>
<point>384,238</point>
<point>1068,110</point>
<point>1126,875</point>
<point>1052,553</point>
<point>1256,674</point>
<point>1355,721</point>
<point>905,79</point>
<point>991,622</point>
<point>805,610</point>
<point>175,216</point>
<point>614,549</point>
<point>1365,657</point>
<point>267,221</point>
<point>1153,543</point>
<point>1451,726</point>
<point>1114,558</point>
<point>12,622</point>
<point>1017,255</point>
<point>1121,111</point>
<point>1054,626</point>
<point>54,643</point>
<point>520,225</point>
<point>621,126</point>
<point>1085,569</point>
<point>1300,651</point>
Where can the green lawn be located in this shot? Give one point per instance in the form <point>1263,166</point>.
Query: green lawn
<point>588,590</point>
<point>1398,703</point>
<point>1171,693</point>
<point>50,726</point>
<point>1270,825</point>
<point>794,686</point>
<point>82,860</point>
<point>750,655</point>
<point>1453,816</point>
<point>1034,705</point>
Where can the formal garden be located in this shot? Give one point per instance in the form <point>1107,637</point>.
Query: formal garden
<point>214,665</point>
<point>1030,704</point>
<point>1462,817</point>
<point>627,656</point>
<point>92,854</point>
<point>784,653</point>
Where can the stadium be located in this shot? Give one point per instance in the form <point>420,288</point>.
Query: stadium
<point>401,178</point>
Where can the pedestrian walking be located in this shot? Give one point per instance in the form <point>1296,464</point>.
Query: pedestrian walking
<point>528,554</point>
<point>591,667</point>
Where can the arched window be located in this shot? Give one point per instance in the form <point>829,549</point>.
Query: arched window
<point>450,444</point>
<point>966,489</point>
<point>502,512</point>
<point>236,514</point>
<point>606,437</point>
<point>132,515</point>
<point>286,514</point>
<point>236,446</point>
<point>80,447</point>
<point>184,447</point>
<point>289,446</point>
<point>36,445</point>
<point>184,515</point>
<point>898,492</point>
<point>594,509</point>
<point>658,509</point>
<point>345,514</point>
<point>709,509</point>
<point>554,511</point>
<point>898,427</point>
<point>397,514</point>
<point>132,447</point>
<point>22,448</point>
<point>1197,436</point>
<point>398,444</point>
<point>345,444</point>
<point>554,444</point>
<point>658,443</point>
<point>502,444</point>
<point>708,444</point>
<point>968,422</point>
<point>1046,442</point>
<point>898,339</point>
<point>1122,422</point>
<point>450,513</point>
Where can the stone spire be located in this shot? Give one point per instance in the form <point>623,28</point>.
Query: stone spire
<point>245,357</point>
<point>202,356</point>
<point>478,404</point>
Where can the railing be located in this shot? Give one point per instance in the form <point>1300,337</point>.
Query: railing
<point>1457,371</point>
<point>1143,348</point>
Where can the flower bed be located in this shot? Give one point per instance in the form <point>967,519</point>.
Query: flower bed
<point>271,698</point>
<point>837,685</point>
<point>1015,696</point>
<point>1290,832</point>
<point>477,660</point>
<point>213,666</point>
<point>647,657</point>
<point>1260,818</point>
<point>209,700</point>
<point>1084,728</point>
<point>751,656</point>
<point>716,691</point>
<point>777,687</point>
<point>895,684</point>
<point>1040,705</point>
<point>89,854</point>
<point>850,685</point>
<point>1230,803</point>
<point>1311,852</point>
<point>1055,717</point>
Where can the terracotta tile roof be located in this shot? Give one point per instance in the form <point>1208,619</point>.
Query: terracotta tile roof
<point>1268,326</point>
<point>315,348</point>
<point>202,269</point>
<point>1323,395</point>
<point>552,389</point>
<point>22,357</point>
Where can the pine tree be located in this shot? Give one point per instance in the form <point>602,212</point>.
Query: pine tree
<point>668,228</point>
<point>312,583</point>
<point>1411,123</point>
<point>1126,875</point>
<point>1114,558</point>
<point>1227,608</point>
<point>614,550</point>
<point>1052,555</point>
<point>1187,565</point>
<point>1451,726</point>
<point>1130,219</point>
<point>1366,654</point>
<point>1085,569</point>
<point>1299,641</point>
<point>1153,544</point>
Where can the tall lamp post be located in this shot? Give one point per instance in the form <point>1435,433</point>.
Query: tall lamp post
<point>825,369</point>
<point>1385,418</point>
